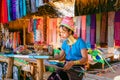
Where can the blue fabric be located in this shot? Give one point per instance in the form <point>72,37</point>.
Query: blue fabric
<point>88,31</point>
<point>24,8</point>
<point>17,9</point>
<point>13,9</point>
<point>21,8</point>
<point>74,52</point>
<point>9,9</point>
<point>34,28</point>
<point>33,8</point>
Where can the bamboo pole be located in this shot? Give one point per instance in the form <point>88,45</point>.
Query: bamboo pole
<point>10,68</point>
<point>24,35</point>
<point>40,69</point>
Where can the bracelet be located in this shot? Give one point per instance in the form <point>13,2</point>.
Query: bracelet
<point>77,62</point>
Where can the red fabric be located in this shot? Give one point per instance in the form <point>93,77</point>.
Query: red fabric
<point>103,31</point>
<point>117,33</point>
<point>83,28</point>
<point>14,40</point>
<point>0,9</point>
<point>40,27</point>
<point>4,12</point>
<point>54,30</point>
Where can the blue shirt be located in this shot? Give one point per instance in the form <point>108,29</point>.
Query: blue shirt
<point>73,52</point>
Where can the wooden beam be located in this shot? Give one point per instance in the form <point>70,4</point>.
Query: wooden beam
<point>10,68</point>
<point>40,69</point>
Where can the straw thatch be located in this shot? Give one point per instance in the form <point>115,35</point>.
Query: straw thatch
<point>95,6</point>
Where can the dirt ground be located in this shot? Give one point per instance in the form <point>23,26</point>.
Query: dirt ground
<point>112,72</point>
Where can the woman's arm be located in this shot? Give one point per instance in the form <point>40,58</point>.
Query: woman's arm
<point>82,61</point>
<point>60,56</point>
<point>84,58</point>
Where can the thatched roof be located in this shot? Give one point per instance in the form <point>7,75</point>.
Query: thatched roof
<point>95,6</point>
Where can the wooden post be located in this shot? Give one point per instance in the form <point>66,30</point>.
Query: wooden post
<point>40,69</point>
<point>10,68</point>
<point>24,35</point>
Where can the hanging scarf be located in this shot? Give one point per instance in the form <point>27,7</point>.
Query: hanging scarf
<point>0,10</point>
<point>83,28</point>
<point>54,23</point>
<point>28,6</point>
<point>103,31</point>
<point>92,30</point>
<point>14,40</point>
<point>4,11</point>
<point>98,24</point>
<point>21,7</point>
<point>40,28</point>
<point>34,29</point>
<point>14,10</point>
<point>117,28</point>
<point>24,8</point>
<point>117,32</point>
<point>111,16</point>
<point>78,25</point>
<point>33,8</point>
<point>9,9</point>
<point>88,31</point>
<point>17,9</point>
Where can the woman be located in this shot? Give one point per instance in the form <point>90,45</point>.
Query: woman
<point>74,50</point>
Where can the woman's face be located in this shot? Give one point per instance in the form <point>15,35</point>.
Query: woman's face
<point>64,33</point>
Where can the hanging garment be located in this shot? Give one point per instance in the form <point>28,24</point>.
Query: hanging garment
<point>111,16</point>
<point>54,23</point>
<point>21,7</point>
<point>0,10</point>
<point>14,40</point>
<point>28,6</point>
<point>40,27</point>
<point>98,24</point>
<point>88,31</point>
<point>117,28</point>
<point>103,31</point>
<point>14,10</point>
<point>83,28</point>
<point>50,30</point>
<point>33,8</point>
<point>9,9</point>
<point>24,8</point>
<point>17,9</point>
<point>78,25</point>
<point>34,29</point>
<point>4,11</point>
<point>39,3</point>
<point>30,25</point>
<point>92,31</point>
<point>117,33</point>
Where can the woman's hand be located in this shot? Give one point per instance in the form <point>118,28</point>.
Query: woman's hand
<point>68,65</point>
